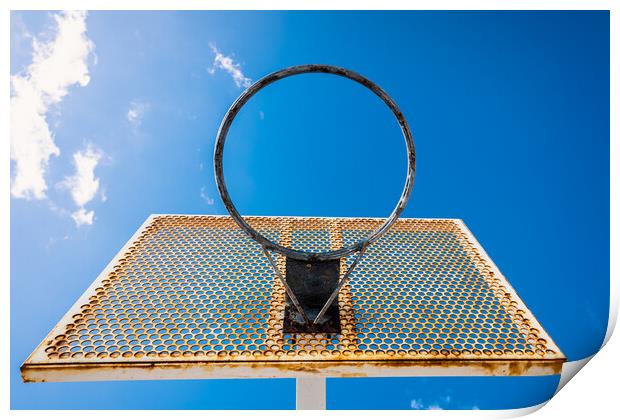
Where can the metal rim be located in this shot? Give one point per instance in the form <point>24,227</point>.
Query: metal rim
<point>281,74</point>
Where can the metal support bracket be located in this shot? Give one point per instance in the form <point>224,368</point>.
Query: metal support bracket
<point>311,292</point>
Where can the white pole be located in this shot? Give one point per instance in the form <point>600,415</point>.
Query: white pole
<point>310,393</point>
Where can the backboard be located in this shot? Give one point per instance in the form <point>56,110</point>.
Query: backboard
<point>194,297</point>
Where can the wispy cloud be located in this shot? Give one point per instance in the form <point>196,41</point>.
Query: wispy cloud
<point>227,64</point>
<point>418,404</point>
<point>83,217</point>
<point>53,241</point>
<point>83,184</point>
<point>207,199</point>
<point>103,195</point>
<point>137,110</point>
<point>440,403</point>
<point>56,65</point>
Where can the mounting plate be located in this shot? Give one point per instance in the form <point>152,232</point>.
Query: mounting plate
<point>312,282</point>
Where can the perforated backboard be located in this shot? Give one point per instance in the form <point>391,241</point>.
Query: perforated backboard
<point>194,297</point>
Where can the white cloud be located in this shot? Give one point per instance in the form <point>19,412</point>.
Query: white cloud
<point>137,110</point>
<point>227,64</point>
<point>261,115</point>
<point>56,65</point>
<point>82,217</point>
<point>83,185</point>
<point>417,404</point>
<point>439,404</point>
<point>205,197</point>
<point>52,241</point>
<point>103,195</point>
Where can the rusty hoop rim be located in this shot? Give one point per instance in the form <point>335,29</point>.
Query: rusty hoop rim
<point>281,74</point>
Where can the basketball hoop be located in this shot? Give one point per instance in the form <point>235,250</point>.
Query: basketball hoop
<point>302,266</point>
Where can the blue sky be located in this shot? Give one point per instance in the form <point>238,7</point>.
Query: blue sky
<point>510,115</point>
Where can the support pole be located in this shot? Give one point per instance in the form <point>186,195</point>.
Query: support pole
<point>310,393</point>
